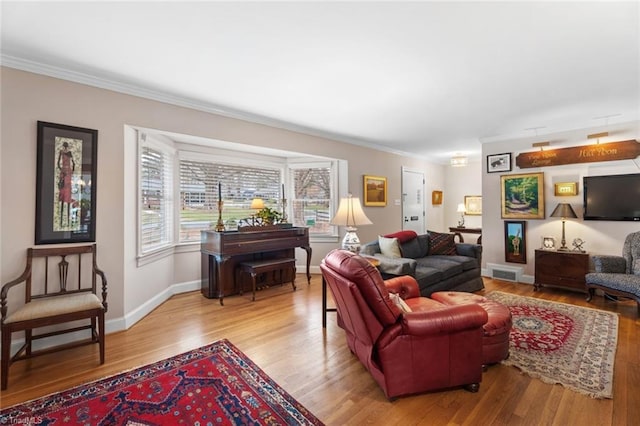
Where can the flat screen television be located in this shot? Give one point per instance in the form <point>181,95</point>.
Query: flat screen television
<point>614,197</point>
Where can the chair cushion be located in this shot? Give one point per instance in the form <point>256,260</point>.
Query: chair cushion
<point>389,247</point>
<point>622,282</point>
<point>440,243</point>
<point>52,306</point>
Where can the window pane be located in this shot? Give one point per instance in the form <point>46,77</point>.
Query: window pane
<point>239,184</point>
<point>155,190</point>
<point>312,198</point>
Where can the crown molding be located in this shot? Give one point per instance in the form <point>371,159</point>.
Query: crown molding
<point>164,97</point>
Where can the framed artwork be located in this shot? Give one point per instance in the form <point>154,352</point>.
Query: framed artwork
<point>65,184</point>
<point>522,196</point>
<point>375,191</point>
<point>566,188</point>
<point>473,205</point>
<point>436,198</point>
<point>499,163</point>
<point>548,243</point>
<point>515,241</point>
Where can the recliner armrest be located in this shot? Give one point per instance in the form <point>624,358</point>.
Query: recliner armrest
<point>450,318</point>
<point>397,265</point>
<point>610,264</point>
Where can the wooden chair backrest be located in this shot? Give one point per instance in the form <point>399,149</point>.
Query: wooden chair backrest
<point>54,271</point>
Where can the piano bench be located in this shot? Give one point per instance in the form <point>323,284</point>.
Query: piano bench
<point>256,267</point>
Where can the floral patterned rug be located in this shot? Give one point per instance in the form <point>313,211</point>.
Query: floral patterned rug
<point>561,343</point>
<point>213,385</point>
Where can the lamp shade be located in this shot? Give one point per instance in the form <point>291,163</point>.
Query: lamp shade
<point>564,210</point>
<point>461,208</point>
<point>350,213</point>
<point>257,203</point>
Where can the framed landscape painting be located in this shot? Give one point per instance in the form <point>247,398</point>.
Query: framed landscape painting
<point>375,191</point>
<point>65,184</point>
<point>522,196</point>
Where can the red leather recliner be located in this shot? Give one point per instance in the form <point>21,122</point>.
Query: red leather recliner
<point>434,346</point>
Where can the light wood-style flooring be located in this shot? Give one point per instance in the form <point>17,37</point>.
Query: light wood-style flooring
<point>282,332</point>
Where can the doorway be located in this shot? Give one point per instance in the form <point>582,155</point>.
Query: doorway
<point>413,216</point>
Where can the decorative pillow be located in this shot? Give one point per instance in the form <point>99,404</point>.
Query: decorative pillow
<point>440,243</point>
<point>412,249</point>
<point>399,302</point>
<point>389,246</point>
<point>403,236</point>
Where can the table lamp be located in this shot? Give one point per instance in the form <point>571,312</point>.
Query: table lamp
<point>564,211</point>
<point>350,214</point>
<point>256,204</point>
<point>462,210</point>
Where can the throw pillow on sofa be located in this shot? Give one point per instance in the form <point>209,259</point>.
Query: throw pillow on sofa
<point>389,247</point>
<point>440,243</point>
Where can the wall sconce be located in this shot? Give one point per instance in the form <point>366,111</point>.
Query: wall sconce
<point>459,161</point>
<point>462,210</point>
<point>350,214</point>
<point>564,211</point>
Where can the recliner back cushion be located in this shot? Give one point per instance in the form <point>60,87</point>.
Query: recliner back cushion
<point>369,282</point>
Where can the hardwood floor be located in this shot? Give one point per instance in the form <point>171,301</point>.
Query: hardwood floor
<point>282,332</point>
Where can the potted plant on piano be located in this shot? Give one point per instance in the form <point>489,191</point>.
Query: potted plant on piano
<point>268,216</point>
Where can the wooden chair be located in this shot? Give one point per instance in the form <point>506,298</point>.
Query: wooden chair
<point>52,296</point>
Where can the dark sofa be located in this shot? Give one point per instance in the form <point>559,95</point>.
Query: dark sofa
<point>433,259</point>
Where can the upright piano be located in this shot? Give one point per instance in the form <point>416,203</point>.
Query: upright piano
<point>222,251</point>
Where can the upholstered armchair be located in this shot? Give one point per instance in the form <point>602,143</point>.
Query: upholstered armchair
<point>618,275</point>
<point>411,345</point>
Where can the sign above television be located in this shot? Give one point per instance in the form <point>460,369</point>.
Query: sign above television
<point>625,150</point>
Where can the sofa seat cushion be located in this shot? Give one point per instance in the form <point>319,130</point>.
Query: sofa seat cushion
<point>427,276</point>
<point>448,267</point>
<point>467,262</point>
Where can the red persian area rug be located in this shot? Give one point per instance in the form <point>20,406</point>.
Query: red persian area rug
<point>561,343</point>
<point>213,385</point>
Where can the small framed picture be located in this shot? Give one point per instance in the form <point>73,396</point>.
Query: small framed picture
<point>515,241</point>
<point>499,163</point>
<point>548,243</point>
<point>375,191</point>
<point>436,198</point>
<point>473,205</point>
<point>565,189</point>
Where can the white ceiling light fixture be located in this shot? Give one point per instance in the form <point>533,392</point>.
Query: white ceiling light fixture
<point>459,161</point>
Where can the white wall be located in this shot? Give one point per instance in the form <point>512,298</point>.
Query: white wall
<point>462,181</point>
<point>134,290</point>
<point>602,237</point>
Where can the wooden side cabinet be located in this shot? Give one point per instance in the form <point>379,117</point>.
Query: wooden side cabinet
<point>561,268</point>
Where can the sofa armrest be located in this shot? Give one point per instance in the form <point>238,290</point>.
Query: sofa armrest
<point>610,264</point>
<point>405,285</point>
<point>471,250</point>
<point>370,249</point>
<point>396,265</point>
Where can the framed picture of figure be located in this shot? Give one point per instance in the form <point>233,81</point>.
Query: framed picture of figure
<point>65,184</point>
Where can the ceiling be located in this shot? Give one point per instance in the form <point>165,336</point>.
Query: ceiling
<point>430,79</point>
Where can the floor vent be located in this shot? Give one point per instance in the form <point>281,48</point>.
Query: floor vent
<point>506,273</point>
